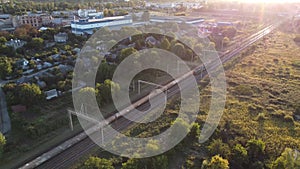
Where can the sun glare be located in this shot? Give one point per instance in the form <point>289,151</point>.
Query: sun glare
<point>269,1</point>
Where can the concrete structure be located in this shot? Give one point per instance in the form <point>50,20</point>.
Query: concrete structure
<point>46,19</point>
<point>6,22</point>
<point>87,25</point>
<point>61,37</point>
<point>34,20</point>
<point>177,19</point>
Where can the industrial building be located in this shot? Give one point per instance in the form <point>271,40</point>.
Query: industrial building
<point>87,26</point>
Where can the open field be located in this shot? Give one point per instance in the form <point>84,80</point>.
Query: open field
<point>263,92</point>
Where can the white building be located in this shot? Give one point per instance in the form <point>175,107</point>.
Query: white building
<point>51,94</point>
<point>15,43</point>
<point>86,25</point>
<point>61,37</point>
<point>85,12</point>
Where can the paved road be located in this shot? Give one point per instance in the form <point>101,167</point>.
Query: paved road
<point>5,124</point>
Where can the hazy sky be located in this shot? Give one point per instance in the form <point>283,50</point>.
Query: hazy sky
<point>268,1</point>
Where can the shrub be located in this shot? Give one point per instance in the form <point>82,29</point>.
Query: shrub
<point>289,118</point>
<point>261,117</point>
<point>244,90</point>
<point>278,114</point>
<point>216,162</point>
<point>218,147</point>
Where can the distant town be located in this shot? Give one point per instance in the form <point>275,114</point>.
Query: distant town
<point>40,44</point>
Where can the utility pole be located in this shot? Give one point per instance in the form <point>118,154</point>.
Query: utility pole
<point>83,114</point>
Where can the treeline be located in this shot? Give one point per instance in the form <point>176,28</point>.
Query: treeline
<point>21,7</point>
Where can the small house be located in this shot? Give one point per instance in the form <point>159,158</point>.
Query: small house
<point>61,37</point>
<point>51,94</point>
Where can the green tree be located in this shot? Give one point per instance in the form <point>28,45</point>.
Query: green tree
<point>125,53</point>
<point>229,32</point>
<point>30,94</point>
<point>106,90</point>
<point>105,71</point>
<point>5,67</point>
<point>159,162</point>
<point>21,33</point>
<point>111,12</point>
<point>289,159</point>
<point>212,45</point>
<point>239,156</point>
<point>194,134</point>
<point>216,162</point>
<point>97,163</point>
<point>217,147</point>
<point>36,43</point>
<point>225,41</point>
<point>179,50</point>
<point>2,143</point>
<point>86,93</point>
<point>152,146</point>
<point>133,164</point>
<point>165,44</point>
<point>2,40</point>
<point>108,6</point>
<point>256,149</point>
<point>180,129</point>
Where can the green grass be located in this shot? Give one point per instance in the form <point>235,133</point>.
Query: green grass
<point>272,76</point>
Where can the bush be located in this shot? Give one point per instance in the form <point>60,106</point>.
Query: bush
<point>245,90</point>
<point>278,114</point>
<point>256,150</point>
<point>2,143</point>
<point>288,159</point>
<point>218,147</point>
<point>289,119</point>
<point>216,162</point>
<point>261,117</point>
<point>95,162</point>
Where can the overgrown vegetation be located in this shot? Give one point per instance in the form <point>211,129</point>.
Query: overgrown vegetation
<point>258,128</point>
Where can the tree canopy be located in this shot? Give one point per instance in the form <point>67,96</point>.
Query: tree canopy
<point>5,67</point>
<point>216,162</point>
<point>289,159</point>
<point>2,143</point>
<point>97,163</point>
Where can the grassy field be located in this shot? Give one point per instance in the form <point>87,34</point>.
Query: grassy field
<point>263,91</point>
<point>49,123</point>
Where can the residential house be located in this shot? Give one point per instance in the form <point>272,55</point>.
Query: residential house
<point>15,43</point>
<point>22,63</point>
<point>51,94</point>
<point>61,37</point>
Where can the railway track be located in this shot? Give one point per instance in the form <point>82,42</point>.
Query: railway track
<point>68,156</point>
